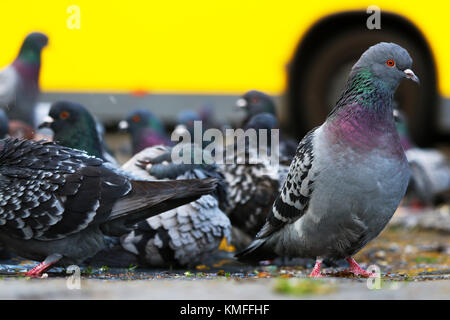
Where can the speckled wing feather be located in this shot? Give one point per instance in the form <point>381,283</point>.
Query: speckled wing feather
<point>293,200</point>
<point>180,237</point>
<point>40,182</point>
<point>252,189</point>
<point>48,192</point>
<point>185,235</point>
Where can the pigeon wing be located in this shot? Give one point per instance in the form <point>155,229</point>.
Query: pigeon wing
<point>293,200</point>
<point>49,191</point>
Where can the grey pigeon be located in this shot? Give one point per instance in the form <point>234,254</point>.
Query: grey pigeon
<point>19,82</point>
<point>349,174</point>
<point>57,203</point>
<point>186,235</point>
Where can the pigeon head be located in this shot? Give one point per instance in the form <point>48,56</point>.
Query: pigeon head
<point>74,127</point>
<point>140,119</point>
<point>254,102</point>
<point>145,129</point>
<point>263,120</point>
<point>388,63</point>
<point>32,46</point>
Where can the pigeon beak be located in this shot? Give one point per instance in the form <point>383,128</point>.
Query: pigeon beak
<point>180,130</point>
<point>123,125</point>
<point>47,122</point>
<point>241,103</point>
<point>409,74</point>
<point>396,115</point>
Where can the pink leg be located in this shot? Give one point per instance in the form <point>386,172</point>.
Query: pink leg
<point>37,271</point>
<point>356,269</point>
<point>315,273</point>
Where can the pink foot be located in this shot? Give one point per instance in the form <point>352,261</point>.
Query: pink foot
<point>37,271</point>
<point>357,270</point>
<point>315,273</point>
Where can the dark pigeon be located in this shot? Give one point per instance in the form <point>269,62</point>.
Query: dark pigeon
<point>349,174</point>
<point>19,82</point>
<point>255,102</point>
<point>74,127</point>
<point>182,236</point>
<point>58,203</point>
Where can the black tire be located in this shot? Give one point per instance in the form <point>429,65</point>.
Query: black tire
<point>315,88</point>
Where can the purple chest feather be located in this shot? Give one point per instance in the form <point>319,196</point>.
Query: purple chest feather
<point>364,130</point>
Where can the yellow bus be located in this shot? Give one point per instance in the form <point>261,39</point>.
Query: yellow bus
<point>168,55</point>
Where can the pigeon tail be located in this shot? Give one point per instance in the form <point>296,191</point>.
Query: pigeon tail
<point>256,252</point>
<point>150,198</point>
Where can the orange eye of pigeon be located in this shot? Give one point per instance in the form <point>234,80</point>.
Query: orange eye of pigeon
<point>390,63</point>
<point>136,119</point>
<point>64,115</point>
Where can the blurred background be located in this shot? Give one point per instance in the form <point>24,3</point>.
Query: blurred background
<point>171,56</point>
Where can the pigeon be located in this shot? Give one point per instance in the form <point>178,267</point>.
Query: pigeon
<point>253,181</point>
<point>348,175</point>
<point>255,102</point>
<point>57,203</point>
<point>146,130</point>
<point>19,82</point>
<point>201,222</point>
<point>74,127</point>
<point>187,235</point>
<point>430,168</point>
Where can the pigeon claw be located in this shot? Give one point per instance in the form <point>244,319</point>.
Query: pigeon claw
<point>37,271</point>
<point>315,273</point>
<point>356,270</point>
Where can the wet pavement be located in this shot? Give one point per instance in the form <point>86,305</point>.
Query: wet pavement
<point>412,259</point>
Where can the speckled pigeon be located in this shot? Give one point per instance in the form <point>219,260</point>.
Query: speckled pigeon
<point>74,127</point>
<point>57,203</point>
<point>145,129</point>
<point>349,174</point>
<point>253,181</point>
<point>186,235</point>
<point>19,82</point>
